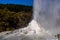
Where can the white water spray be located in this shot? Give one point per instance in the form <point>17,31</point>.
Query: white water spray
<point>47,14</point>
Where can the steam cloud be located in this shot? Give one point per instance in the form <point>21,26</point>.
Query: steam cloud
<point>47,14</point>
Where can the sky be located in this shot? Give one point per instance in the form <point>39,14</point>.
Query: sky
<point>23,2</point>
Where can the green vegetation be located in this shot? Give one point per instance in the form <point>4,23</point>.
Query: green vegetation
<point>14,16</point>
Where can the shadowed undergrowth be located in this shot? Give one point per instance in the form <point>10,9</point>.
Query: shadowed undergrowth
<point>14,16</point>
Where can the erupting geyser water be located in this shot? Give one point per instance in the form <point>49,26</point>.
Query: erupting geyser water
<point>47,14</point>
<point>44,26</point>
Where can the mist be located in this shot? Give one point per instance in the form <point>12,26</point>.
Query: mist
<point>47,14</point>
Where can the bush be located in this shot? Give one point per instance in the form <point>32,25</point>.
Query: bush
<point>10,20</point>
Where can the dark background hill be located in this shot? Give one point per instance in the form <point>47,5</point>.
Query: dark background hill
<point>16,8</point>
<point>14,16</point>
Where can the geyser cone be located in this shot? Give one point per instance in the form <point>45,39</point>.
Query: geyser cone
<point>47,14</point>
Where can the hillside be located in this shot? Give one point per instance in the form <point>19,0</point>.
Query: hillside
<point>14,16</point>
<point>16,8</point>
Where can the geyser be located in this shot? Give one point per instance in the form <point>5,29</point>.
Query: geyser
<point>47,14</point>
<point>44,25</point>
